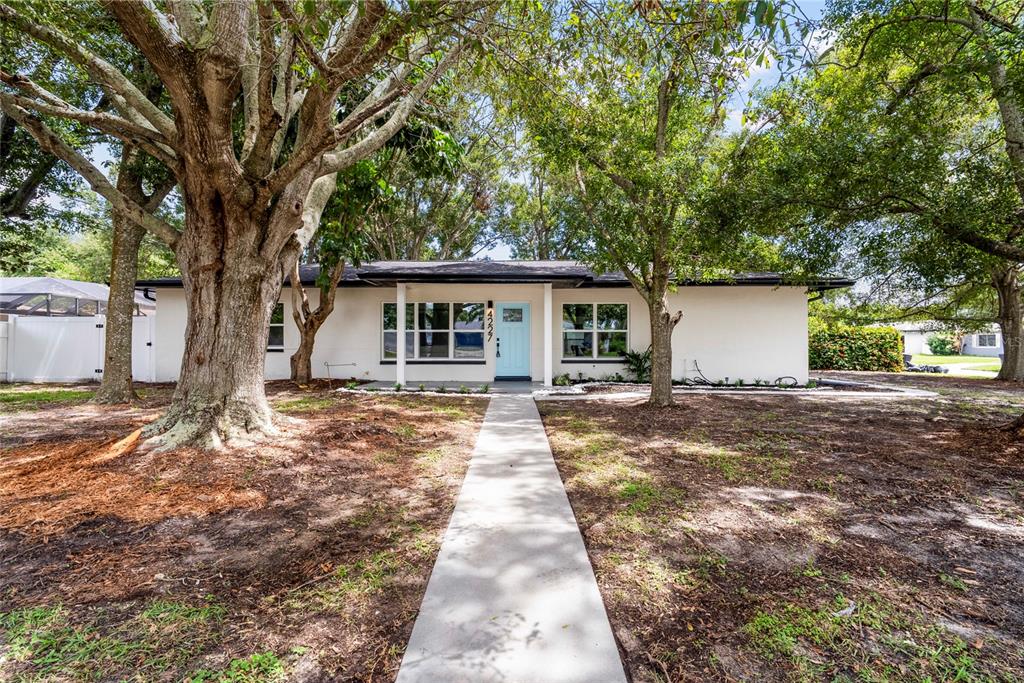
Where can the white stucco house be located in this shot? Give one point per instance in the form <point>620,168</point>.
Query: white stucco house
<point>986,342</point>
<point>485,321</point>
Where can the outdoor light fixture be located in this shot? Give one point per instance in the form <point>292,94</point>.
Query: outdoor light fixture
<point>490,304</point>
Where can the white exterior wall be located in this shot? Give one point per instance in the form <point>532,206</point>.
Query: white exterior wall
<point>741,332</point>
<point>971,348</point>
<point>746,333</point>
<point>915,341</point>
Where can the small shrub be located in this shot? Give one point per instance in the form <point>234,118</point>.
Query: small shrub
<point>942,345</point>
<point>441,389</point>
<point>352,385</point>
<point>398,386</point>
<point>562,380</point>
<point>878,349</point>
<point>422,387</point>
<point>486,388</point>
<point>463,389</point>
<point>639,364</point>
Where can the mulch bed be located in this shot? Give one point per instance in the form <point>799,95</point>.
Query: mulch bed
<point>731,534</point>
<point>315,547</point>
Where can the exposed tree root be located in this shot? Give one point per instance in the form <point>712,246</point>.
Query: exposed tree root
<point>1016,426</point>
<point>212,426</point>
<point>113,395</point>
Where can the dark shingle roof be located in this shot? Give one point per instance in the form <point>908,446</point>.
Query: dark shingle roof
<point>559,273</point>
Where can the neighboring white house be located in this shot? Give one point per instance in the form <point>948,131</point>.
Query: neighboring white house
<point>480,321</point>
<point>915,334</point>
<point>988,342</point>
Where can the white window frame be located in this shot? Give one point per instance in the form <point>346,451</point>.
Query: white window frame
<point>451,330</point>
<point>276,347</point>
<point>993,345</point>
<point>594,331</point>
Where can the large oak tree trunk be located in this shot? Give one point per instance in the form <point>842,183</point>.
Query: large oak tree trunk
<point>117,351</point>
<point>230,291</point>
<point>662,325</point>
<point>1011,323</point>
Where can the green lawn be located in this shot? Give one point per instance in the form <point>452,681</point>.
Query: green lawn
<point>20,398</point>
<point>926,359</point>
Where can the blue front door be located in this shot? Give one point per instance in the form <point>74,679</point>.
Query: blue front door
<point>512,350</point>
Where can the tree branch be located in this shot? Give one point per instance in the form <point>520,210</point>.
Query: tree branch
<point>52,143</point>
<point>98,68</point>
<point>285,10</point>
<point>52,105</point>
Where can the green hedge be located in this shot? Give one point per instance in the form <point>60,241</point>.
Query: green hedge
<point>856,348</point>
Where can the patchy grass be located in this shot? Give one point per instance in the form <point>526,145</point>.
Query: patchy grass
<point>360,578</point>
<point>842,636</point>
<point>785,538</point>
<point>309,553</point>
<point>304,404</point>
<point>21,398</point>
<point>262,667</point>
<point>50,641</point>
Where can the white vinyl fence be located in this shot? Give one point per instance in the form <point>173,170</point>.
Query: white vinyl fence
<point>57,349</point>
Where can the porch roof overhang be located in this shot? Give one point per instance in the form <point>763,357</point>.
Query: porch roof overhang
<point>560,274</point>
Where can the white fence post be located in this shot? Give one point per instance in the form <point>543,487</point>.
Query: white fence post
<point>5,326</point>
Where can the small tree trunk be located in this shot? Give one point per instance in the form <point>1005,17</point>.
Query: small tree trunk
<point>301,360</point>
<point>1011,324</point>
<point>116,386</point>
<point>662,325</point>
<point>310,322</point>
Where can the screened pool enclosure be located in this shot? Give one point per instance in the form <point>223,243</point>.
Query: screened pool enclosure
<point>50,296</point>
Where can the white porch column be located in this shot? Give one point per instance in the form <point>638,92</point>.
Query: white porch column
<point>548,341</point>
<point>400,348</point>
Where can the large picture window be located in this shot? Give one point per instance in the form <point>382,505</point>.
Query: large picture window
<point>595,331</point>
<point>435,331</point>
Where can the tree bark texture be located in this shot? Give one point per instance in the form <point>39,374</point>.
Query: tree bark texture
<point>231,288</point>
<point>1011,323</point>
<point>116,386</point>
<point>663,323</point>
<point>309,321</point>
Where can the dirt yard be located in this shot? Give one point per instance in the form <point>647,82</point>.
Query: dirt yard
<point>304,560</point>
<point>809,538</point>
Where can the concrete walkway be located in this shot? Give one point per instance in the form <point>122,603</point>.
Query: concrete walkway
<point>512,596</point>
